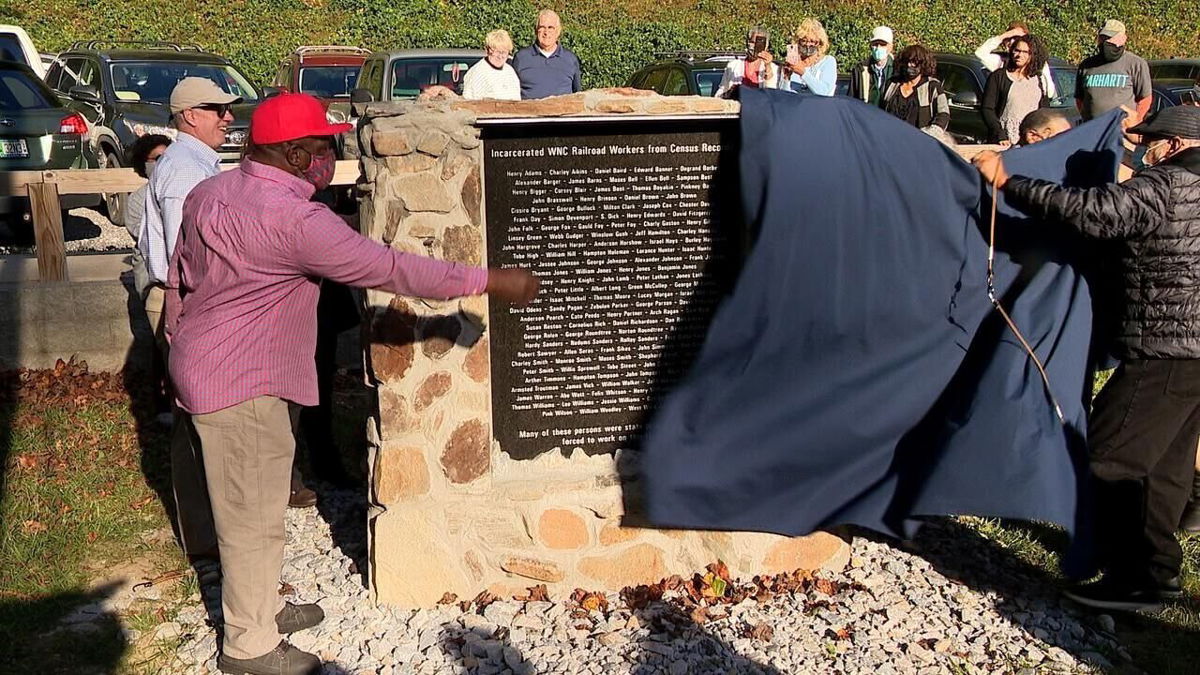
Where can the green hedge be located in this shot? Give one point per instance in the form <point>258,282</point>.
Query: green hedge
<point>612,37</point>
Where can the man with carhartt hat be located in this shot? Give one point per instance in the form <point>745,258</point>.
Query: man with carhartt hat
<point>251,254</point>
<point>1144,423</point>
<point>1113,77</point>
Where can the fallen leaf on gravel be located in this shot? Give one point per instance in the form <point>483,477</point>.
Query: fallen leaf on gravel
<point>539,593</point>
<point>826,587</point>
<point>700,616</point>
<point>286,589</point>
<point>761,632</point>
<point>448,598</point>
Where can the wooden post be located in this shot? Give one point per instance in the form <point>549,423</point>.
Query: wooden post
<point>46,210</point>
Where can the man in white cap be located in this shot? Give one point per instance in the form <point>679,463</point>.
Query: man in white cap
<point>869,79</point>
<point>200,111</point>
<point>1113,77</point>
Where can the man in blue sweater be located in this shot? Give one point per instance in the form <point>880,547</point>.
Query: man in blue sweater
<point>546,68</point>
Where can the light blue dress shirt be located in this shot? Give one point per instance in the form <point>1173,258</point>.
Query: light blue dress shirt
<point>185,163</point>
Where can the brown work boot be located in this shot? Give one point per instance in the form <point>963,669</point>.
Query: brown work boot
<point>283,660</point>
<point>293,618</point>
<point>301,497</point>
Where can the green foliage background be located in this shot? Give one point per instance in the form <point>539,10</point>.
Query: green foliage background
<point>612,37</point>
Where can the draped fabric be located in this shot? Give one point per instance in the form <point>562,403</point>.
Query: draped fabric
<point>858,373</point>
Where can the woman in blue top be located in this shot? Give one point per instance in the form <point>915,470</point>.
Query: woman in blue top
<point>809,67</point>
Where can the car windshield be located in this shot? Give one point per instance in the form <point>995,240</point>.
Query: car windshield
<point>153,80</point>
<point>328,81</point>
<point>412,76</point>
<point>1064,82</point>
<point>18,91</point>
<point>707,81</point>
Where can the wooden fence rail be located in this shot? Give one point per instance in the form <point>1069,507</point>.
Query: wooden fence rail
<point>43,189</point>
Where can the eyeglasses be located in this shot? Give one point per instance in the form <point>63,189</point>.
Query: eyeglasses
<point>221,109</point>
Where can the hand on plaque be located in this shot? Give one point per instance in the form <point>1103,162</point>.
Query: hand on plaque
<point>517,286</point>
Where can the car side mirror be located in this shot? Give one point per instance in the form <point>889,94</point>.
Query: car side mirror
<point>85,94</point>
<point>965,99</point>
<point>268,92</point>
<point>362,96</point>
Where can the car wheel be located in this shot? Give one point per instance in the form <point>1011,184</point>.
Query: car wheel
<point>114,202</point>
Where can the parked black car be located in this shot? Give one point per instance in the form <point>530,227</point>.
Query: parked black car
<point>1168,92</point>
<point>963,77</point>
<point>38,132</point>
<point>694,73</point>
<point>128,91</point>
<point>1175,69</point>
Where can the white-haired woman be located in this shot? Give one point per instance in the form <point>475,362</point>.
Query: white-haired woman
<point>493,77</point>
<point>808,66</point>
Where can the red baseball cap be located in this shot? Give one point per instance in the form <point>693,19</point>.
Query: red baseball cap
<point>288,117</point>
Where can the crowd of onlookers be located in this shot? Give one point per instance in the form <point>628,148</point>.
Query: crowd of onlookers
<point>1016,103</point>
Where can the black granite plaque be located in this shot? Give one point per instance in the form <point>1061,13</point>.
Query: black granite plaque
<point>632,229</point>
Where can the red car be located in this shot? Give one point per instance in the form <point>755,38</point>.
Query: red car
<point>328,72</point>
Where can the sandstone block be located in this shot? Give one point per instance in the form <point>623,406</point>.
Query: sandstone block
<point>393,215</point>
<point>467,138</point>
<point>400,473</point>
<point>412,163</point>
<point>422,192</point>
<point>572,104</point>
<point>802,553</point>
<point>396,417</point>
<point>478,362</point>
<point>439,334</point>
<point>393,332</point>
<point>413,567</point>
<point>434,387</point>
<point>467,455</point>
<point>463,244</point>
<point>675,105</point>
<point>615,107</point>
<point>533,568</point>
<point>453,163</point>
<point>641,564</point>
<point>472,196</point>
<point>433,143</point>
<point>560,529</point>
<point>392,142</point>
<point>612,534</point>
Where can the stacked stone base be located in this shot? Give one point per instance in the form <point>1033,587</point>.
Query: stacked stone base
<point>452,513</point>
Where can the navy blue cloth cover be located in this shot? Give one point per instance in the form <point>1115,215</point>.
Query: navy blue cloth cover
<point>858,373</point>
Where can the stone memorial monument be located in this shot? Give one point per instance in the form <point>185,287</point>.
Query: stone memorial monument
<point>504,445</point>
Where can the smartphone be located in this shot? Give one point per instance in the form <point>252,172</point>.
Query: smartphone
<point>793,53</point>
<point>759,45</point>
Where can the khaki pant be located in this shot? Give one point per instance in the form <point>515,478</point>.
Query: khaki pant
<point>248,453</point>
<point>193,512</point>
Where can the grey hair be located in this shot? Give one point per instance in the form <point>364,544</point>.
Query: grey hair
<point>757,30</point>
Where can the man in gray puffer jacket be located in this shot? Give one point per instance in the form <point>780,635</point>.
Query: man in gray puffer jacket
<point>1145,421</point>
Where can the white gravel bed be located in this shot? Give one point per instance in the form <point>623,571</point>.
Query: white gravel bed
<point>888,612</point>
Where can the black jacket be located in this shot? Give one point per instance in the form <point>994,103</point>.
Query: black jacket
<point>862,86</point>
<point>995,97</point>
<point>1155,216</point>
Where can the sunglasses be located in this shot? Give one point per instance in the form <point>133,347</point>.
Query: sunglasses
<point>221,109</point>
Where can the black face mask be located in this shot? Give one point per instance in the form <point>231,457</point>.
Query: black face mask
<point>911,71</point>
<point>1110,52</point>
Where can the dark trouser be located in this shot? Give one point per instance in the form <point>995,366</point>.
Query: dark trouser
<point>1143,438</point>
<point>336,313</point>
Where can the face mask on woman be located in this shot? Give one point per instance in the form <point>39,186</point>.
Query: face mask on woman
<point>806,50</point>
<point>911,71</point>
